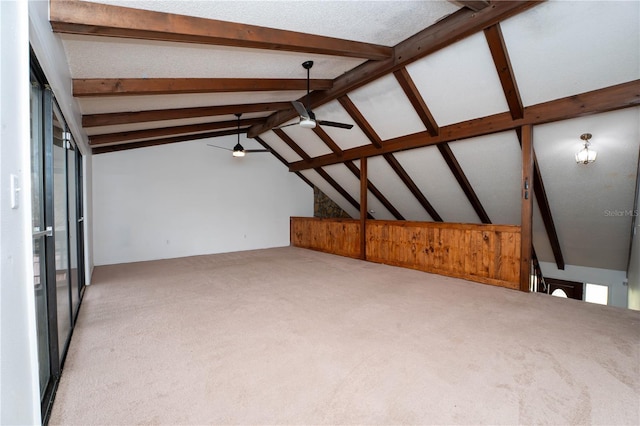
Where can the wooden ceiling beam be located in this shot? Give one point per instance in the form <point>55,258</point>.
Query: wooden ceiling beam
<point>464,183</point>
<point>361,122</point>
<point>113,118</point>
<point>94,87</point>
<point>339,189</point>
<point>612,98</point>
<point>406,179</point>
<point>166,131</point>
<point>292,144</point>
<point>327,140</point>
<point>375,191</point>
<point>498,49</point>
<point>449,30</point>
<point>163,141</point>
<point>420,106</point>
<point>414,96</point>
<point>282,160</point>
<point>94,19</point>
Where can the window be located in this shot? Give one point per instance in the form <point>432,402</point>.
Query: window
<point>597,293</point>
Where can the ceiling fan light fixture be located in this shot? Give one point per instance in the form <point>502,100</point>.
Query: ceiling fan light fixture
<point>238,150</point>
<point>586,155</point>
<point>307,123</point>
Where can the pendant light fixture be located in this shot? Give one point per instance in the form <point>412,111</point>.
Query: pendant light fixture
<point>586,155</point>
<point>238,150</point>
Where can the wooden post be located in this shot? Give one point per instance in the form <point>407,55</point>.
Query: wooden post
<point>527,207</point>
<point>363,208</point>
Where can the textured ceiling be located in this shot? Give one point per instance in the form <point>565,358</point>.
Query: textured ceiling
<point>557,49</point>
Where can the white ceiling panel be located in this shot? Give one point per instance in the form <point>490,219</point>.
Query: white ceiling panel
<point>431,174</point>
<point>330,192</point>
<point>560,49</point>
<point>345,139</point>
<point>368,21</point>
<point>280,147</point>
<point>387,109</point>
<point>591,203</point>
<point>308,141</point>
<point>493,166</point>
<point>105,57</point>
<point>460,82</point>
<point>392,187</point>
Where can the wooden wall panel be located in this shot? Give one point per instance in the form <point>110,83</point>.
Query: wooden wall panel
<point>489,254</point>
<point>336,236</point>
<point>484,253</point>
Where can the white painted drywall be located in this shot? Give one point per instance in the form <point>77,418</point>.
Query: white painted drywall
<point>189,199</point>
<point>53,59</point>
<point>615,280</point>
<point>19,388</point>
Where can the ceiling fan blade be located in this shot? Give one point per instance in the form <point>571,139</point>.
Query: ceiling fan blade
<point>334,124</point>
<point>219,147</point>
<point>300,109</point>
<point>256,150</point>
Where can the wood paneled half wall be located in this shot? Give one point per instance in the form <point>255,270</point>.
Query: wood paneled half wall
<point>488,254</point>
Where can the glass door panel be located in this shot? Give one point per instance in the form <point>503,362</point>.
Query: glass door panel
<point>61,234</point>
<point>38,223</point>
<point>73,230</point>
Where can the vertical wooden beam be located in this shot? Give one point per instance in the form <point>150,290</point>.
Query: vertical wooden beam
<point>526,238</point>
<point>375,191</point>
<point>363,208</point>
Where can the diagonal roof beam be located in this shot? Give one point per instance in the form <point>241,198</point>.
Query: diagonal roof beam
<point>327,140</point>
<point>449,30</point>
<point>361,122</point>
<point>414,96</point>
<point>282,160</point>
<point>498,49</point>
<point>406,179</point>
<point>292,144</point>
<point>545,208</point>
<point>612,98</point>
<point>88,18</point>
<point>464,183</point>
<point>166,131</point>
<point>375,191</point>
<point>108,119</point>
<point>163,141</point>
<point>168,86</point>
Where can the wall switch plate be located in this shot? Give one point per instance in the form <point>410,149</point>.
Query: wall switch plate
<point>15,190</point>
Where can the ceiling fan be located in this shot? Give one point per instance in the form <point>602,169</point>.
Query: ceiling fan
<point>238,150</point>
<point>307,117</point>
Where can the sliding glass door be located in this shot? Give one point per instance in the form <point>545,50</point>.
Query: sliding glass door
<point>56,181</point>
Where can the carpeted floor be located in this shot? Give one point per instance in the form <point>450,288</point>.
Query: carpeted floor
<point>292,336</point>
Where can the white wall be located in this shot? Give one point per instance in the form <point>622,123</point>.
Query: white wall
<point>19,388</point>
<point>188,199</point>
<point>615,280</point>
<point>52,58</point>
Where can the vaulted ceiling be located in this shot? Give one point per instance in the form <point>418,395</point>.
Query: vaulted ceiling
<point>436,90</point>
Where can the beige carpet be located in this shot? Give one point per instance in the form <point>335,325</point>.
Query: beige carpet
<point>292,336</point>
